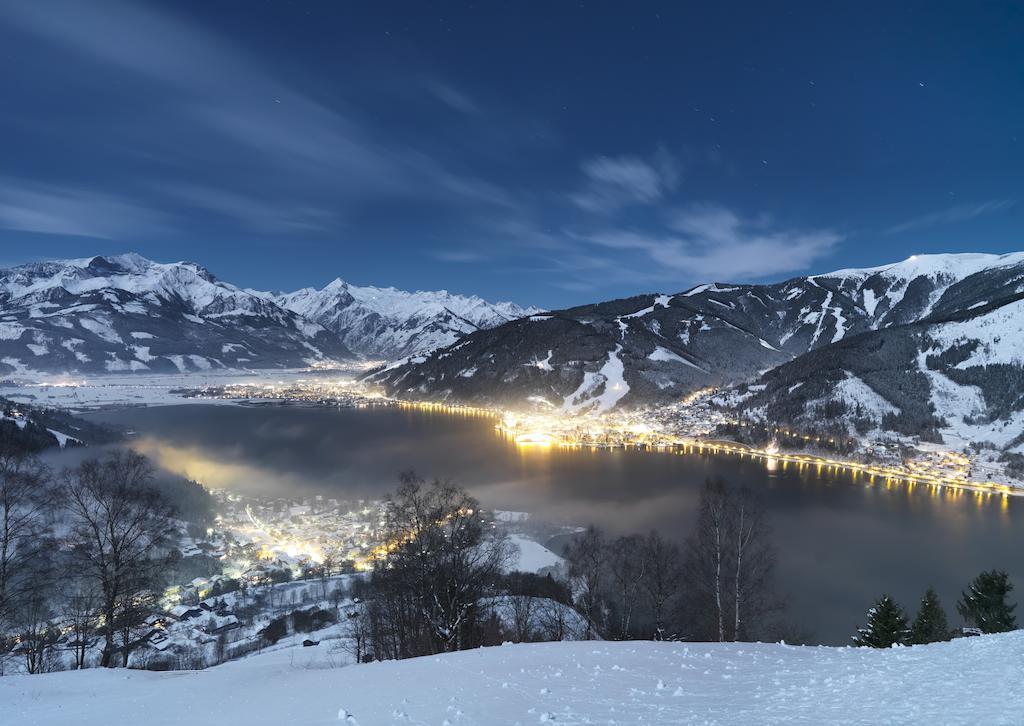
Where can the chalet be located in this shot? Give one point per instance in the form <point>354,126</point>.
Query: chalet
<point>217,624</point>
<point>185,612</point>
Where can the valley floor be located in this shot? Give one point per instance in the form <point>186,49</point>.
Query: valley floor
<point>968,681</point>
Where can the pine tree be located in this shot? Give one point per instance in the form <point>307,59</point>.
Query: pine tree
<point>887,626</point>
<point>984,604</point>
<point>930,624</point>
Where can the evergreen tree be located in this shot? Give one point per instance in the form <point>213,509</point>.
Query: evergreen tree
<point>984,604</point>
<point>887,626</point>
<point>930,624</point>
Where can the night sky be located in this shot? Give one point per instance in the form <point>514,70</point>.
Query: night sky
<point>550,153</point>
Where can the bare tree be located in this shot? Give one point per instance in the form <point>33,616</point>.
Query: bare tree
<point>626,568</point>
<point>79,607</point>
<point>753,566</point>
<point>119,525</point>
<point>356,631</point>
<point>662,578</point>
<point>729,565</point>
<point>523,610</point>
<point>706,562</point>
<point>439,560</point>
<point>587,556</point>
<point>25,500</point>
<point>36,632</point>
<point>553,620</point>
<point>132,610</point>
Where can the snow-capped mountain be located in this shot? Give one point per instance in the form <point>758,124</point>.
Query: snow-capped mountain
<point>385,323</point>
<point>654,348</point>
<point>957,372</point>
<point>127,313</point>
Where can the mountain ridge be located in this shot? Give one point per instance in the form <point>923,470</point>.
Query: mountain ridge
<point>126,313</point>
<point>656,348</point>
<point>385,322</point>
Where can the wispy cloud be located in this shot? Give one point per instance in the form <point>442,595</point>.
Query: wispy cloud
<point>958,213</point>
<point>63,210</point>
<point>451,96</point>
<point>231,124</point>
<point>612,182</point>
<point>712,242</point>
<point>271,216</point>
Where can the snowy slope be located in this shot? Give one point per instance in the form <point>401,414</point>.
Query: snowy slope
<point>532,556</point>
<point>127,314</point>
<point>958,373</point>
<point>389,324</point>
<point>969,681</point>
<point>658,347</point>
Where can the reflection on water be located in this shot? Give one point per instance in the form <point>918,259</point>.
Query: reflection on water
<point>843,539</point>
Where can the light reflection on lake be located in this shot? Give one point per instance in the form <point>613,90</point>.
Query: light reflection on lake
<point>842,540</point>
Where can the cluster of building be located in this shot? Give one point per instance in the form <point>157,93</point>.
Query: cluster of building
<point>297,549</point>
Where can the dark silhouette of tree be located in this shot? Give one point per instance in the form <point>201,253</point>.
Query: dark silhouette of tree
<point>984,604</point>
<point>79,607</point>
<point>25,501</point>
<point>663,577</point>
<point>439,561</point>
<point>929,624</point>
<point>729,566</point>
<point>626,570</point>
<point>587,557</point>
<point>119,526</point>
<point>886,626</point>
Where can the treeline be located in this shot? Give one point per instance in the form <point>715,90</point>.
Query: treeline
<point>87,548</point>
<point>885,360</point>
<point>718,586</point>
<point>441,583</point>
<point>27,429</point>
<point>984,606</point>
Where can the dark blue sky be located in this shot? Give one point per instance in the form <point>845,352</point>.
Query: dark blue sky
<point>549,153</point>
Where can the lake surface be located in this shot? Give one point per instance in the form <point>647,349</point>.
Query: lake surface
<point>841,541</point>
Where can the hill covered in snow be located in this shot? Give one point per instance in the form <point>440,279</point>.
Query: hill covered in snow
<point>657,348</point>
<point>966,681</point>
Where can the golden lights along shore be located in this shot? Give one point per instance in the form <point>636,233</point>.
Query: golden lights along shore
<point>620,430</point>
<point>636,430</point>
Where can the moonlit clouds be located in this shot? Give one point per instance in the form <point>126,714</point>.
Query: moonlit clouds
<point>66,210</point>
<point>291,143</point>
<point>614,182</point>
<point>233,137</point>
<point>710,242</point>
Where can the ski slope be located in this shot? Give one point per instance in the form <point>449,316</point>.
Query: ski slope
<point>968,681</point>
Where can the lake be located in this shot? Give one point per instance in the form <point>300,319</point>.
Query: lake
<point>841,541</point>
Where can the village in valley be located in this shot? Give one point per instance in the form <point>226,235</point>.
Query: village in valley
<point>261,573</point>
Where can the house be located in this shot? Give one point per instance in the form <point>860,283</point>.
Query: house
<point>217,624</point>
<point>185,612</point>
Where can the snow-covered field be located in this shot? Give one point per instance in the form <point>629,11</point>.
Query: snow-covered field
<point>532,556</point>
<point>968,681</point>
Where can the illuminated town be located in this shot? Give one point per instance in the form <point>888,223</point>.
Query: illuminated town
<point>692,426</point>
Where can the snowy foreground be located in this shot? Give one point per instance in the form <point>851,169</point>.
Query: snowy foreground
<point>969,681</point>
